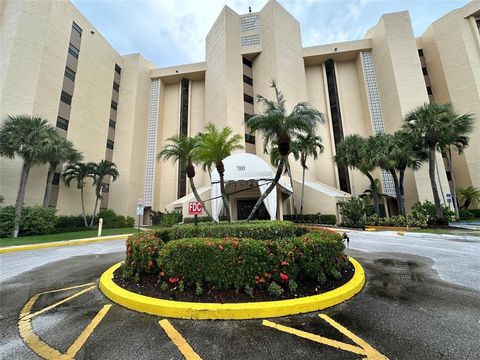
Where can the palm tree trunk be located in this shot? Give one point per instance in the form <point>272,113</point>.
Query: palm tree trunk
<point>303,191</point>
<point>94,212</point>
<point>269,189</point>
<point>20,197</point>
<point>48,185</point>
<point>439,180</point>
<point>199,199</point>
<point>397,191</point>
<point>454,185</point>
<point>401,180</point>
<point>374,193</point>
<point>224,197</point>
<point>433,183</point>
<point>83,207</point>
<point>289,171</point>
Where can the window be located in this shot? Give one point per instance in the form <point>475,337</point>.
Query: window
<point>62,123</point>
<point>77,29</point>
<point>112,124</point>
<point>425,72</point>
<point>118,69</point>
<point>247,80</point>
<point>429,90</point>
<point>66,98</point>
<point>72,49</point>
<point>56,179</point>
<point>249,138</point>
<point>110,144</point>
<point>116,86</point>
<point>420,52</point>
<point>449,175</point>
<point>248,99</point>
<point>246,62</point>
<point>114,105</point>
<point>105,188</point>
<point>69,73</point>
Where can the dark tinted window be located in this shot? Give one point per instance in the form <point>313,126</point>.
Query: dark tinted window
<point>114,105</point>
<point>77,28</point>
<point>116,87</point>
<point>247,62</point>
<point>110,144</point>
<point>112,124</point>
<point>247,80</point>
<point>69,73</point>
<point>249,138</point>
<point>56,179</point>
<point>248,98</point>
<point>420,52</point>
<point>118,69</point>
<point>105,188</point>
<point>73,50</point>
<point>66,98</point>
<point>424,70</point>
<point>62,123</point>
<point>429,90</point>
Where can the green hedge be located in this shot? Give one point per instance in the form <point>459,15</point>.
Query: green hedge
<point>262,230</point>
<point>233,263</point>
<point>34,221</point>
<point>328,219</point>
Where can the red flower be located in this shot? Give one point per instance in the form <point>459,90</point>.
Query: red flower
<point>129,251</point>
<point>235,243</point>
<point>220,247</point>
<point>162,274</point>
<point>267,275</point>
<point>173,280</point>
<point>283,277</point>
<point>284,263</point>
<point>150,264</point>
<point>261,280</point>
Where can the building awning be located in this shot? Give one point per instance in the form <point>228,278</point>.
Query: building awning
<point>327,190</point>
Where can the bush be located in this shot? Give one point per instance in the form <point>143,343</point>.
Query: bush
<point>67,223</point>
<point>7,214</point>
<point>328,219</point>
<point>353,212</point>
<point>191,220</point>
<point>466,214</point>
<point>171,218</point>
<point>142,254</point>
<point>397,220</point>
<point>35,221</point>
<point>261,230</point>
<point>155,217</point>
<point>427,210</point>
<point>475,213</point>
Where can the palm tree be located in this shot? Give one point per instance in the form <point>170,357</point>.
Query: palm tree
<point>30,138</point>
<point>308,145</point>
<point>432,126</point>
<point>355,152</point>
<point>62,151</point>
<point>79,172</point>
<point>181,150</point>
<point>280,128</point>
<point>470,195</point>
<point>103,170</point>
<point>214,146</point>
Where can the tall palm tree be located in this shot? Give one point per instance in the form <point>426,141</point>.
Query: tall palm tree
<point>63,150</point>
<point>30,138</point>
<point>308,145</point>
<point>79,172</point>
<point>355,152</point>
<point>214,146</point>
<point>278,127</point>
<point>181,149</point>
<point>101,172</point>
<point>470,195</point>
<point>432,126</point>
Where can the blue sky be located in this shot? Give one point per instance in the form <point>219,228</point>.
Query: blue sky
<point>171,32</point>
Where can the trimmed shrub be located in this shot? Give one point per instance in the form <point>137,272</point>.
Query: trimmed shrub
<point>466,214</point>
<point>142,254</point>
<point>427,210</point>
<point>34,221</point>
<point>353,212</point>
<point>191,220</point>
<point>171,218</point>
<point>261,230</point>
<point>397,220</point>
<point>67,223</point>
<point>475,213</point>
<point>328,219</point>
<point>7,214</point>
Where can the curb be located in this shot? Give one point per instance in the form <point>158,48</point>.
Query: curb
<point>229,311</point>
<point>52,244</point>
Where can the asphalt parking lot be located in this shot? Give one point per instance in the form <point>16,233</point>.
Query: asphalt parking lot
<point>416,305</point>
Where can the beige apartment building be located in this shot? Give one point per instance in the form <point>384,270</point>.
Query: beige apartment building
<point>56,65</point>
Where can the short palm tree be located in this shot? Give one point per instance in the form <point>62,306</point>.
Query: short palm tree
<point>432,126</point>
<point>214,146</point>
<point>354,152</point>
<point>307,145</point>
<point>181,149</point>
<point>63,150</point>
<point>278,127</point>
<point>101,172</point>
<point>470,195</point>
<point>79,172</point>
<point>29,138</point>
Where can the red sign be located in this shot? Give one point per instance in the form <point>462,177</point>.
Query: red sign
<point>195,208</point>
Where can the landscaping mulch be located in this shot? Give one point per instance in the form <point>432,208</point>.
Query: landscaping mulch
<point>149,287</point>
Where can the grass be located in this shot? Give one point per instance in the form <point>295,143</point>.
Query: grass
<point>459,232</point>
<point>37,239</point>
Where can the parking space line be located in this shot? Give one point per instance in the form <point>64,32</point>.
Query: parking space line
<point>179,341</point>
<point>73,349</point>
<point>29,316</point>
<point>317,338</point>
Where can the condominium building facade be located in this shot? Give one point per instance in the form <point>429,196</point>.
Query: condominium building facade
<point>56,65</point>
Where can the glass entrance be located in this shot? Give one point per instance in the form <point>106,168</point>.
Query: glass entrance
<point>245,207</point>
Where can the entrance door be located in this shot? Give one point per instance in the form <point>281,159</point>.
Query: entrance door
<point>245,207</point>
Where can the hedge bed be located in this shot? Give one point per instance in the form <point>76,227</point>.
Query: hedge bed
<point>212,266</point>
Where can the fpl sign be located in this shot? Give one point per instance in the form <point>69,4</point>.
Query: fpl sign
<point>195,208</point>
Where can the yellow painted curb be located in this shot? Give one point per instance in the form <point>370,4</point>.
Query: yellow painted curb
<point>233,311</point>
<point>61,243</point>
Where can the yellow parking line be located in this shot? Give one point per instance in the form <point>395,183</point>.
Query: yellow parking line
<point>29,316</point>
<point>319,339</point>
<point>179,341</point>
<point>73,349</point>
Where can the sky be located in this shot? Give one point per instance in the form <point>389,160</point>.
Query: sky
<point>172,32</point>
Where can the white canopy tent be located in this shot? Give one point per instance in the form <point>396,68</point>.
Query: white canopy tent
<point>244,167</point>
